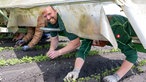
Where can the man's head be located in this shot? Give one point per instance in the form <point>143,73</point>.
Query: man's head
<point>50,14</point>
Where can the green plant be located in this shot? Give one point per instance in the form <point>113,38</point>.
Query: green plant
<point>68,55</point>
<point>93,52</point>
<point>115,50</point>
<point>6,48</point>
<point>139,70</point>
<point>97,77</point>
<point>1,49</point>
<point>141,63</point>
<point>46,46</point>
<point>27,59</point>
<point>38,47</point>
<point>2,62</point>
<point>6,35</point>
<point>40,58</point>
<point>13,61</point>
<point>18,48</point>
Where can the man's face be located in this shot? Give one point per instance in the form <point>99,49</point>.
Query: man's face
<point>51,15</point>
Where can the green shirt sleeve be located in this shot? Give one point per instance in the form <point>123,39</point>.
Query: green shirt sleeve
<point>71,36</point>
<point>84,48</point>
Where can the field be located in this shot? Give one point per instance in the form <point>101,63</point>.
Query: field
<point>33,66</point>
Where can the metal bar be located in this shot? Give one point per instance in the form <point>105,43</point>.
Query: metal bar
<point>49,29</point>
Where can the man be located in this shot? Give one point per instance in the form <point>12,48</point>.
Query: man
<point>54,21</point>
<point>123,32</point>
<point>33,35</point>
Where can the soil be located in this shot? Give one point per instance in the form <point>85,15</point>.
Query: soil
<point>55,70</point>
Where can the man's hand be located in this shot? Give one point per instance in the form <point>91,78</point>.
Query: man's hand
<point>53,54</point>
<point>26,47</point>
<point>111,78</point>
<point>71,76</point>
<point>19,43</point>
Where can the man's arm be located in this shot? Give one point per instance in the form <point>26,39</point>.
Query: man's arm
<point>81,55</point>
<point>74,74</point>
<point>79,63</point>
<point>54,43</point>
<point>70,47</point>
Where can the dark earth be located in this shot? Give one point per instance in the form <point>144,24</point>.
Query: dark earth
<point>55,70</point>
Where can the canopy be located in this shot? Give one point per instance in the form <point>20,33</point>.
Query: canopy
<point>86,18</point>
<point>32,3</point>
